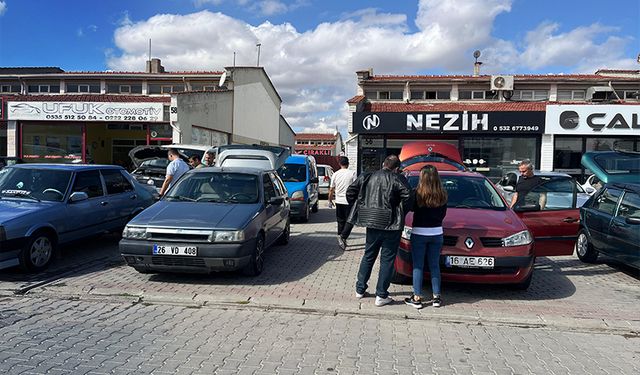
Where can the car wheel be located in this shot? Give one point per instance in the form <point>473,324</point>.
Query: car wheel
<point>314,209</point>
<point>256,264</point>
<point>38,252</point>
<point>284,237</point>
<point>305,216</point>
<point>398,278</point>
<point>584,248</point>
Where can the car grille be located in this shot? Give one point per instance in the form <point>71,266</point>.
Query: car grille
<point>182,237</point>
<point>450,240</point>
<point>177,261</point>
<point>491,241</point>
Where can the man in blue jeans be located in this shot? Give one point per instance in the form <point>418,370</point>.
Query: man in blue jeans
<point>381,199</point>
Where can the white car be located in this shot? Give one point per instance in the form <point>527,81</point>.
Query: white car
<point>325,172</point>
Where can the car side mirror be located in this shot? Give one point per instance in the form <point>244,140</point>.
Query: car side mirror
<point>527,208</point>
<point>314,180</point>
<point>276,201</point>
<point>508,188</point>
<point>78,196</point>
<point>633,220</point>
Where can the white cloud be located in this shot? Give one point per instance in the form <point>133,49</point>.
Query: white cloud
<point>314,70</point>
<point>271,7</point>
<point>3,7</point>
<point>201,3</point>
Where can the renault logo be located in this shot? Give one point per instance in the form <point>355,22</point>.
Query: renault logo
<point>469,243</point>
<point>371,122</point>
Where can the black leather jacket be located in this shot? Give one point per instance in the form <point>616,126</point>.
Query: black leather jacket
<point>380,200</point>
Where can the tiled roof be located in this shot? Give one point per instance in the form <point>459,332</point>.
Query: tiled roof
<point>356,99</point>
<point>487,78</point>
<point>316,136</point>
<point>473,107</point>
<point>89,98</point>
<point>31,70</point>
<point>200,91</point>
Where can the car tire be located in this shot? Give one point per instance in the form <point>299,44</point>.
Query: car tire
<point>284,237</point>
<point>314,209</point>
<point>398,278</point>
<point>38,252</point>
<point>305,217</point>
<point>256,264</point>
<point>523,285</point>
<point>584,249</point>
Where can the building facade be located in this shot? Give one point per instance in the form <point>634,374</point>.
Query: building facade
<point>316,144</point>
<point>49,115</point>
<point>496,121</point>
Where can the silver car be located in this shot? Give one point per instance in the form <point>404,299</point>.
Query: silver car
<point>325,173</point>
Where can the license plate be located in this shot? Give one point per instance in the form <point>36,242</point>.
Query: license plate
<point>175,250</point>
<point>468,262</point>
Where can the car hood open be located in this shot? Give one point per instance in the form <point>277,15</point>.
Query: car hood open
<point>613,166</point>
<point>246,155</point>
<point>143,153</point>
<point>197,215</point>
<point>443,156</point>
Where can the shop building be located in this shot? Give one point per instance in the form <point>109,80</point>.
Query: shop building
<point>496,121</point>
<point>50,115</point>
<point>316,144</point>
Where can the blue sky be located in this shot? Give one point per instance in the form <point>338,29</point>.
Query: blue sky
<point>312,48</point>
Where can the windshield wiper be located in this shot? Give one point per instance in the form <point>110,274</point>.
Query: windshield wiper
<point>22,194</point>
<point>179,198</point>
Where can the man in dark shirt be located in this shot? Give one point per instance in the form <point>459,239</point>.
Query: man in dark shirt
<point>527,182</point>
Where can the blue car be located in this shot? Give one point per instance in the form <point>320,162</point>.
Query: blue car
<point>610,219</point>
<point>43,206</point>
<point>300,176</point>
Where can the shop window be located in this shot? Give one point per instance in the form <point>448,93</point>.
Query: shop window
<point>609,144</point>
<point>93,88</point>
<point>567,155</point>
<point>494,157</point>
<point>55,143</point>
<point>115,181</point>
<point>9,88</point>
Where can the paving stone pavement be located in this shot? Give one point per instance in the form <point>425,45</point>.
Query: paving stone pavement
<point>58,336</point>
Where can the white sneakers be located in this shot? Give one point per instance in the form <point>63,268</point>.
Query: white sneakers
<point>383,301</point>
<point>359,296</point>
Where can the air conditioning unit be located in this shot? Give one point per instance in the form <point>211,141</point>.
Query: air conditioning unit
<point>600,94</point>
<point>501,83</point>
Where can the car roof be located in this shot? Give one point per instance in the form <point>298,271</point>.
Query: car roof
<point>296,159</point>
<point>626,186</point>
<point>246,170</point>
<point>451,173</point>
<point>65,167</point>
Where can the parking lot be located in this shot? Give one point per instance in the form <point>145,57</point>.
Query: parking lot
<point>312,274</point>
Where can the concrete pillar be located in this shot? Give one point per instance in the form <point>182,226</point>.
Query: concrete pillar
<point>12,138</point>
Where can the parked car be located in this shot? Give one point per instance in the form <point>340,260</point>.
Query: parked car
<point>151,161</point>
<point>592,184</point>
<point>610,220</point>
<point>325,172</point>
<point>219,218</point>
<point>300,176</point>
<point>43,206</point>
<point>507,187</point>
<point>484,240</point>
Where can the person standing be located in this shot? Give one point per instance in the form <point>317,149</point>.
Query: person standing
<point>527,182</point>
<point>340,182</point>
<point>176,168</point>
<point>429,201</point>
<point>381,199</point>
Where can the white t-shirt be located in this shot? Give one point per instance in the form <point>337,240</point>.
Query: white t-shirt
<point>341,181</point>
<point>176,169</point>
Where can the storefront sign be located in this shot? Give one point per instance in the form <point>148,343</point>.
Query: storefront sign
<point>85,111</point>
<point>597,120</point>
<point>449,122</point>
<point>314,152</point>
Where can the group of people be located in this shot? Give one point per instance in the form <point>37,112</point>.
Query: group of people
<point>177,167</point>
<point>379,201</point>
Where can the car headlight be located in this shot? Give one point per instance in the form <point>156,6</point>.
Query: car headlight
<point>297,195</point>
<point>227,236</point>
<point>518,239</point>
<point>406,232</point>
<point>134,233</point>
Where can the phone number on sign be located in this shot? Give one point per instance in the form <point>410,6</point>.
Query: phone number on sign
<point>516,128</point>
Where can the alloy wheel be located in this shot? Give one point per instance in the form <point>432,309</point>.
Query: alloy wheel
<point>40,251</point>
<point>582,246</point>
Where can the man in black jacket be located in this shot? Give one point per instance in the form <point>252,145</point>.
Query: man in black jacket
<point>381,200</point>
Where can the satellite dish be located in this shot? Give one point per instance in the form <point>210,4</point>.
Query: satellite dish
<point>223,78</point>
<point>476,54</point>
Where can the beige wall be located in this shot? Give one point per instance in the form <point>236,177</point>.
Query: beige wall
<point>210,110</point>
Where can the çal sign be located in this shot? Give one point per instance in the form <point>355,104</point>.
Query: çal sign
<point>85,111</point>
<point>593,119</point>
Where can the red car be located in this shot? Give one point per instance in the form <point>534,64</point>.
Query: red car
<point>485,241</point>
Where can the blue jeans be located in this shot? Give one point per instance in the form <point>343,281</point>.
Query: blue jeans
<point>388,241</point>
<point>431,245</point>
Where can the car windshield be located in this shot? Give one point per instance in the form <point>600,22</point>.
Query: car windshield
<point>155,163</point>
<point>468,192</point>
<point>293,173</point>
<point>216,187</point>
<point>618,163</point>
<point>33,183</point>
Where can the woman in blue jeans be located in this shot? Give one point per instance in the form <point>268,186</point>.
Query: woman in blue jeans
<point>429,210</point>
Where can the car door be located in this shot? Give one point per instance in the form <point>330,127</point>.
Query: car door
<point>121,197</point>
<point>272,217</point>
<point>89,215</point>
<point>283,213</point>
<point>624,235</point>
<point>313,181</point>
<point>598,217</point>
<point>549,211</point>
